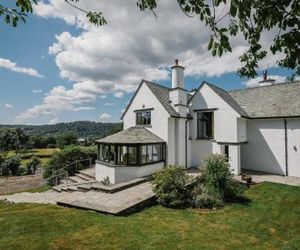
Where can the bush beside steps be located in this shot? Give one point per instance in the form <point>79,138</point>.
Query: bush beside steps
<point>174,188</point>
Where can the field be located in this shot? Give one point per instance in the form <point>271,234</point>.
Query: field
<point>270,220</point>
<point>43,153</point>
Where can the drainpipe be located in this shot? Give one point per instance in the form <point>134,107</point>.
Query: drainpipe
<point>286,147</point>
<point>186,150</point>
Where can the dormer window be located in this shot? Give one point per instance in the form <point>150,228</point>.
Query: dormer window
<point>143,117</point>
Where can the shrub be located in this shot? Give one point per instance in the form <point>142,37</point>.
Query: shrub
<point>171,187</point>
<point>204,198</point>
<point>11,165</point>
<point>22,170</point>
<point>33,164</point>
<point>216,184</point>
<point>66,140</point>
<point>234,191</point>
<point>51,145</point>
<point>216,174</point>
<point>67,156</point>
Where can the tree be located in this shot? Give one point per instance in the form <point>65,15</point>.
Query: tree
<point>66,139</point>
<point>11,165</point>
<point>33,164</point>
<point>250,18</point>
<point>12,139</point>
<point>20,139</point>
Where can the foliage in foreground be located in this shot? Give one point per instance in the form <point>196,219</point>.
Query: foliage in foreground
<point>251,19</point>
<point>175,189</point>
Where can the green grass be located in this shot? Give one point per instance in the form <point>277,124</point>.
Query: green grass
<point>39,152</point>
<point>33,190</point>
<point>270,221</point>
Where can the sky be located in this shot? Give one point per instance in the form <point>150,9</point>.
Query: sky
<point>59,68</point>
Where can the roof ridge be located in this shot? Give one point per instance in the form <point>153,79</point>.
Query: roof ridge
<point>272,85</point>
<point>159,85</point>
<point>215,86</point>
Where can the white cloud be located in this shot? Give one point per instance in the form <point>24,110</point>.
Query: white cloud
<point>122,111</point>
<point>53,121</point>
<point>255,81</point>
<point>9,106</point>
<point>109,104</point>
<point>119,94</point>
<point>105,116</point>
<point>83,108</point>
<point>7,64</point>
<point>37,91</point>
<point>113,59</point>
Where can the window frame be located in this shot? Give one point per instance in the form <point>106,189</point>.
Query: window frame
<point>138,156</point>
<point>143,118</point>
<point>202,136</point>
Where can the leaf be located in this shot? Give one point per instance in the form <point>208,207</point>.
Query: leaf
<point>210,44</point>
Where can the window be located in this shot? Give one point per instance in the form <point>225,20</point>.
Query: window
<point>143,154</point>
<point>131,154</point>
<point>226,152</point>
<point>143,118</point>
<point>205,125</point>
<point>122,155</point>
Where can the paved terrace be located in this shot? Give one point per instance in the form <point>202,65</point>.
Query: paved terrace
<point>112,203</point>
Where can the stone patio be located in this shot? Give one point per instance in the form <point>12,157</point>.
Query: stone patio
<point>258,177</point>
<point>112,203</point>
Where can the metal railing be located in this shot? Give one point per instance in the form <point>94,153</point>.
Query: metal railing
<point>63,173</point>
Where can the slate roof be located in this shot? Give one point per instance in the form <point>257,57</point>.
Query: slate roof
<point>278,100</point>
<point>229,99</point>
<point>162,94</point>
<point>133,135</point>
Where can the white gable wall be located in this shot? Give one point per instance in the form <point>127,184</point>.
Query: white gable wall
<point>161,123</point>
<point>228,127</point>
<point>145,99</point>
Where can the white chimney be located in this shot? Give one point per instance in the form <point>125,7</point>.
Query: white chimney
<point>177,94</point>
<point>266,81</point>
<point>177,75</point>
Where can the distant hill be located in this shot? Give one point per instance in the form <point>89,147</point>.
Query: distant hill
<point>85,129</point>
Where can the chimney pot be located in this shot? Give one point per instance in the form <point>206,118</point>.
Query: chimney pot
<point>265,75</point>
<point>177,75</point>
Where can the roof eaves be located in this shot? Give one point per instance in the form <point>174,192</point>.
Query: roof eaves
<point>137,90</point>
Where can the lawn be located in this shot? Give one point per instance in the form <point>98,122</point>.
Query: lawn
<point>270,221</point>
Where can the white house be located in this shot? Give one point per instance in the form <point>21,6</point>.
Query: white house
<point>256,128</point>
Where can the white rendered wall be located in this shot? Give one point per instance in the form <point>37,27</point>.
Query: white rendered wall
<point>145,99</point>
<point>120,174</point>
<point>171,145</point>
<point>242,129</point>
<point>293,138</point>
<point>228,126</point>
<point>235,158</point>
<point>265,150</point>
<point>225,117</point>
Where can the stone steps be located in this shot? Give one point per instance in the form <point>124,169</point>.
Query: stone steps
<point>90,172</point>
<point>84,177</point>
<point>76,179</point>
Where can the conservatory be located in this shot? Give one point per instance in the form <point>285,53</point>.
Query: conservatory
<point>129,154</point>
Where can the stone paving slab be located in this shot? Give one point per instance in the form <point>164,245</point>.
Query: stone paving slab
<point>259,177</point>
<point>112,203</point>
